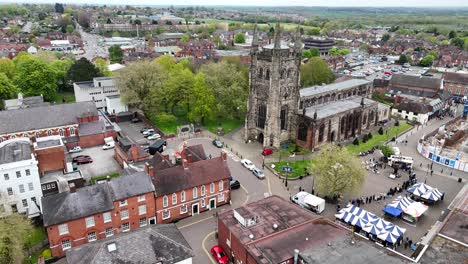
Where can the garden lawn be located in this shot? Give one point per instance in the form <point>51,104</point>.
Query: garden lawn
<point>228,125</point>
<point>377,139</point>
<point>297,167</point>
<point>37,235</point>
<point>94,180</point>
<point>65,97</point>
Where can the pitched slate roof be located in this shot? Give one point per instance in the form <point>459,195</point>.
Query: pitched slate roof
<point>131,185</point>
<point>461,78</point>
<point>197,151</point>
<point>415,107</point>
<point>153,244</point>
<point>90,200</point>
<point>66,206</point>
<point>415,81</point>
<point>178,178</point>
<point>27,119</point>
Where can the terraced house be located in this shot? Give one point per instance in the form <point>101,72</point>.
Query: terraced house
<point>98,211</point>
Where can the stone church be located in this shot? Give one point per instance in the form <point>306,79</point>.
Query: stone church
<point>278,110</point>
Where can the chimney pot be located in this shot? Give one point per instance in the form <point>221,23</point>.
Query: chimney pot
<point>224,155</point>
<point>189,158</point>
<point>185,164</point>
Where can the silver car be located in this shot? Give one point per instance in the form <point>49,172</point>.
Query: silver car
<point>259,173</point>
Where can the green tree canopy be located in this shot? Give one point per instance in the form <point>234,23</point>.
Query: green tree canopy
<point>101,64</point>
<point>46,56</point>
<point>61,68</point>
<point>34,77</point>
<point>385,37</point>
<point>115,54</point>
<point>315,72</point>
<point>459,42</point>
<point>427,61</point>
<point>452,34</point>
<point>203,100</point>
<point>7,89</point>
<point>7,67</point>
<point>337,172</point>
<point>239,38</point>
<point>13,233</point>
<point>309,53</point>
<point>185,38</point>
<point>403,59</point>
<point>82,70</point>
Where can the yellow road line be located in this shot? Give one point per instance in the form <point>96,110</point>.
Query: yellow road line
<point>206,251</point>
<point>194,223</point>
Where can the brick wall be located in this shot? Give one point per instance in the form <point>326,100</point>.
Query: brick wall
<point>78,232</point>
<point>51,159</point>
<point>174,209</point>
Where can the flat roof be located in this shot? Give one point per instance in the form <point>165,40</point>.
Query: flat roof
<point>53,142</point>
<point>15,150</point>
<point>333,108</point>
<point>339,86</point>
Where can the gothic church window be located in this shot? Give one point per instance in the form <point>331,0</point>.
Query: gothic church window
<point>284,117</point>
<point>302,135</point>
<point>261,116</point>
<point>267,74</point>
<point>260,73</point>
<point>321,132</point>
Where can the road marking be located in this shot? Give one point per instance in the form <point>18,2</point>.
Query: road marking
<point>206,251</point>
<point>196,222</point>
<point>269,185</point>
<point>246,196</point>
<point>242,186</point>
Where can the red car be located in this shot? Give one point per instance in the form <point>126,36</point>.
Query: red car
<point>218,255</point>
<point>82,160</point>
<point>267,151</point>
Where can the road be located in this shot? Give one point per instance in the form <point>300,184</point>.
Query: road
<point>92,46</point>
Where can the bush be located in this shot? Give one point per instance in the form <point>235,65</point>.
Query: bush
<point>386,150</point>
<point>381,131</point>
<point>397,123</point>
<point>47,254</point>
<point>364,138</point>
<point>356,141</point>
<point>369,136</point>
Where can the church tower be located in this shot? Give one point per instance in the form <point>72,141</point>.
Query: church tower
<point>274,83</point>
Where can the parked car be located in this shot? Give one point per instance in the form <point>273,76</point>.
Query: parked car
<point>218,255</point>
<point>82,160</point>
<point>259,173</point>
<point>217,143</point>
<point>144,129</point>
<point>154,136</point>
<point>136,120</point>
<point>235,184</point>
<point>148,131</point>
<point>149,134</point>
<point>248,164</point>
<point>267,151</point>
<point>75,149</point>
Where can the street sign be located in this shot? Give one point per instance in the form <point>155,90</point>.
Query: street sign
<point>287,169</point>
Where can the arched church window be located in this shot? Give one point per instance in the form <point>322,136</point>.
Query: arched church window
<point>321,132</point>
<point>260,73</point>
<point>342,126</point>
<point>261,116</point>
<point>267,74</point>
<point>302,134</point>
<point>284,117</point>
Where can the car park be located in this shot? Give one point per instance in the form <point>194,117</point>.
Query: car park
<point>259,173</point>
<point>217,143</point>
<point>248,164</point>
<point>235,184</point>
<point>218,254</point>
<point>82,159</point>
<point>75,149</point>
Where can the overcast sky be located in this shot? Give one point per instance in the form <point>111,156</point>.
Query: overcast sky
<point>419,3</point>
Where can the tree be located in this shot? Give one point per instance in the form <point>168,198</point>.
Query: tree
<point>239,38</point>
<point>403,59</point>
<point>61,68</point>
<point>84,19</point>
<point>185,38</point>
<point>315,31</point>
<point>59,8</point>
<point>82,70</point>
<point>385,37</point>
<point>7,67</point>
<point>203,100</point>
<point>14,230</point>
<point>70,29</point>
<point>34,77</point>
<point>458,42</point>
<point>313,52</point>
<point>7,89</point>
<point>316,72</point>
<point>337,172</point>
<point>46,56</point>
<point>380,131</point>
<point>101,64</point>
<point>115,54</point>
<point>343,52</point>
<point>387,151</point>
<point>452,34</point>
<point>427,61</point>
<point>333,51</point>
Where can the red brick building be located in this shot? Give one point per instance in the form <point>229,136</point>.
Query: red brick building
<point>50,153</point>
<point>126,152</point>
<point>98,211</point>
<point>77,123</point>
<point>456,83</point>
<point>197,185</point>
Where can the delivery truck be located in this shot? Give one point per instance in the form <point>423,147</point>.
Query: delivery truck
<point>309,201</point>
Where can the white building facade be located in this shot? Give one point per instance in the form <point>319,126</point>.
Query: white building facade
<point>96,90</point>
<point>20,187</point>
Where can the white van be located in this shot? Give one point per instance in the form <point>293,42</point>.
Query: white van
<point>309,201</point>
<point>108,143</point>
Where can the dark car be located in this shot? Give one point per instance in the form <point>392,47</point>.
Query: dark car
<point>217,143</point>
<point>234,184</point>
<point>82,160</point>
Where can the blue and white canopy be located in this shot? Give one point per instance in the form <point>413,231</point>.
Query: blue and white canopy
<point>372,229</point>
<point>433,195</point>
<point>387,236</point>
<point>380,223</point>
<point>401,203</point>
<point>359,222</point>
<point>419,189</point>
<point>395,230</point>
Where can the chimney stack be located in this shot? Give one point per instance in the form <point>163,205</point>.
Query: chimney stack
<point>149,169</point>
<point>189,158</point>
<point>185,164</point>
<point>224,155</point>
